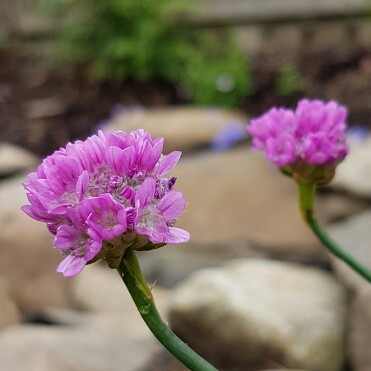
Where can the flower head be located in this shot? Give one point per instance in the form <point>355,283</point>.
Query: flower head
<point>304,141</point>
<point>103,192</point>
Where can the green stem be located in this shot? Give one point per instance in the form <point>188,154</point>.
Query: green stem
<point>337,251</point>
<point>306,198</point>
<point>131,274</point>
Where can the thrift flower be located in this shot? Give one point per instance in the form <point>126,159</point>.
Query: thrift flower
<point>101,195</point>
<point>306,143</point>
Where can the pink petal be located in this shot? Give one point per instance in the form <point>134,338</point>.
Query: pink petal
<point>66,236</point>
<point>171,205</point>
<point>151,154</point>
<point>168,162</point>
<point>177,235</point>
<point>172,235</point>
<point>82,184</point>
<point>71,265</point>
<point>146,192</point>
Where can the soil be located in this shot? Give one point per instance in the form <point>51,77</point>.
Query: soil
<point>41,108</point>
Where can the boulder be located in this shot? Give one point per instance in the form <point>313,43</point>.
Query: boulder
<point>14,159</point>
<point>353,235</point>
<point>239,195</point>
<point>171,264</point>
<point>354,173</point>
<point>184,128</point>
<point>9,313</point>
<point>360,332</point>
<point>28,259</point>
<point>58,348</point>
<point>100,289</point>
<point>252,314</point>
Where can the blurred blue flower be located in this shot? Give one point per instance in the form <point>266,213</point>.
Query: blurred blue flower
<point>358,133</point>
<point>230,135</point>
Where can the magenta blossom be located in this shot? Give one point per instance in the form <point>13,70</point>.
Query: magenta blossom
<point>105,188</point>
<point>155,218</point>
<point>313,134</point>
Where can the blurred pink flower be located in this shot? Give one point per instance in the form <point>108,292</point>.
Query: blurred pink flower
<point>313,134</point>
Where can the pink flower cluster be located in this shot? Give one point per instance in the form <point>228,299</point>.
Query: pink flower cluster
<point>313,134</point>
<point>98,189</point>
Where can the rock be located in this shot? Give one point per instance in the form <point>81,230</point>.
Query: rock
<point>104,302</point>
<point>334,207</point>
<point>239,195</point>
<point>14,159</point>
<point>184,129</point>
<point>41,348</point>
<point>360,332</point>
<point>9,311</point>
<point>44,107</point>
<point>170,265</point>
<point>100,289</point>
<point>354,173</point>
<point>126,321</point>
<point>250,313</point>
<point>28,259</point>
<point>353,236</point>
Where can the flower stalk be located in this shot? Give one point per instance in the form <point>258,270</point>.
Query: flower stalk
<point>306,199</point>
<point>132,276</point>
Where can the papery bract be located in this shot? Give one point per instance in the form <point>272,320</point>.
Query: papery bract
<point>103,188</point>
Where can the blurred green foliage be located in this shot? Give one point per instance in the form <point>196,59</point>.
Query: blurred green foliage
<point>289,79</point>
<point>138,39</point>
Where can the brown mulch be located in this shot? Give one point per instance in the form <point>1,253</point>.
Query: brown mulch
<point>43,108</point>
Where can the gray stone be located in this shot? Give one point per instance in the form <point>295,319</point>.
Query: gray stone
<point>239,195</point>
<point>44,107</point>
<point>41,348</point>
<point>9,313</point>
<point>184,129</point>
<point>14,159</point>
<point>354,173</point>
<point>353,236</point>
<point>126,321</point>
<point>250,313</point>
<point>170,265</point>
<point>100,289</point>
<point>334,207</point>
<point>28,259</point>
<point>360,332</point>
